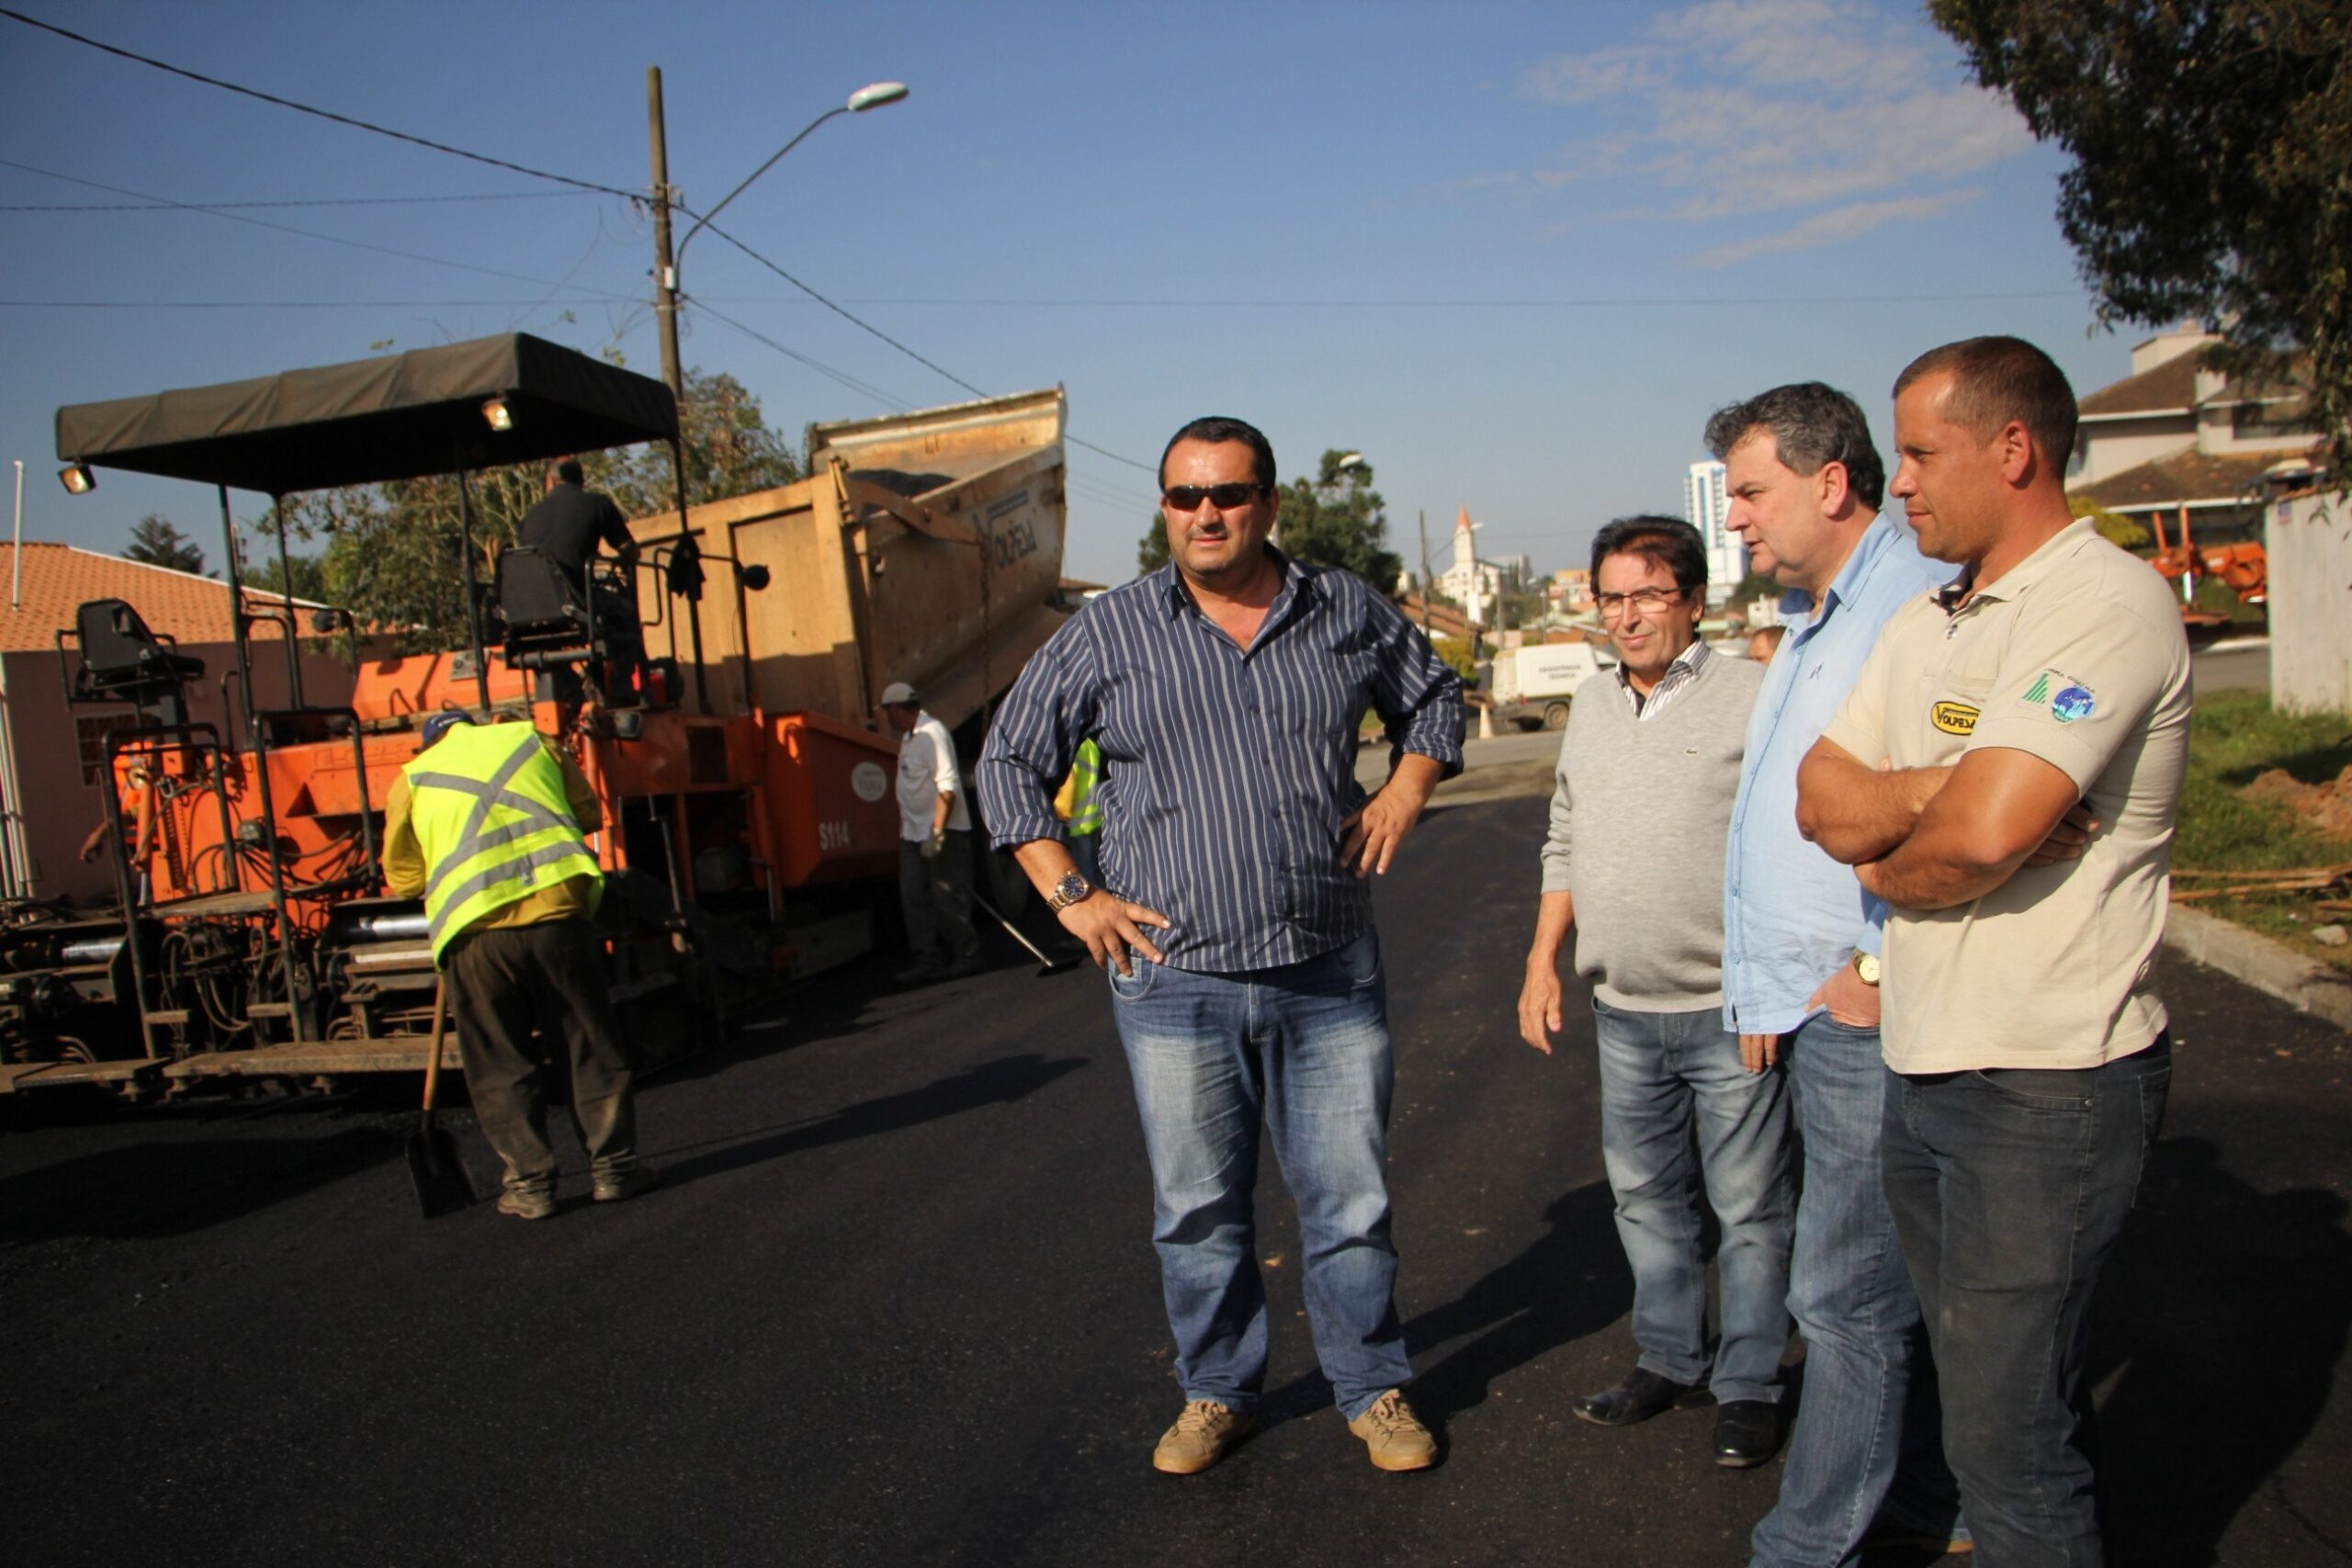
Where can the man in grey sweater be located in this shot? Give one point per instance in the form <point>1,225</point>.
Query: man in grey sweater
<point>1641,812</point>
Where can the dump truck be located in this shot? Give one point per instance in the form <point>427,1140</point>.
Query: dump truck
<point>731,733</point>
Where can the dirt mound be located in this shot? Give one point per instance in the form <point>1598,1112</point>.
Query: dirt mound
<point>2325,808</point>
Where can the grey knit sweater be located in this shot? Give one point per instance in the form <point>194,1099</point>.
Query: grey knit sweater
<point>1641,811</point>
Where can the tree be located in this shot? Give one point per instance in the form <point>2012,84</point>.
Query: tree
<point>308,574</point>
<point>1337,519</point>
<point>2113,527</point>
<point>1458,656</point>
<point>155,541</point>
<point>730,451</point>
<point>2213,173</point>
<point>1152,552</point>
<point>392,549</point>
<point>1334,519</point>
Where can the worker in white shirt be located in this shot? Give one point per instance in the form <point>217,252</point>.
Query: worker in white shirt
<point>935,845</point>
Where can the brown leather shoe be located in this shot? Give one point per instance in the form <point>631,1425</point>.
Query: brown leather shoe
<point>1203,1434</point>
<point>1393,1435</point>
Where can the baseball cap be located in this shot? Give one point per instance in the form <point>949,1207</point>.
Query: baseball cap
<point>898,693</point>
<point>441,723</point>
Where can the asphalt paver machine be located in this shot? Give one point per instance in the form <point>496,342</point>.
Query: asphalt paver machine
<point>249,937</point>
<point>731,734</point>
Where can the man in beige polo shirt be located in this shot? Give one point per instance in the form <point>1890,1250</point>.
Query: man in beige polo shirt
<point>2005,776</point>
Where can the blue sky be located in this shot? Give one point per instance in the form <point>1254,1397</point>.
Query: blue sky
<point>1515,253</point>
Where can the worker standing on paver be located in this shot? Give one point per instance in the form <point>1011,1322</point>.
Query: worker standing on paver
<point>569,521</point>
<point>488,826</point>
<point>2027,1049</point>
<point>567,524</point>
<point>935,845</point>
<point>1226,691</point>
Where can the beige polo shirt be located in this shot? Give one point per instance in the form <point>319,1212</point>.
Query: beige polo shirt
<point>2076,655</point>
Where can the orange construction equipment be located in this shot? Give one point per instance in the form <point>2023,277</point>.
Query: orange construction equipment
<point>729,730</point>
<point>2244,567</point>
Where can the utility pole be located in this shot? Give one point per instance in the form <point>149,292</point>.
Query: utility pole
<point>1424,516</point>
<point>665,271</point>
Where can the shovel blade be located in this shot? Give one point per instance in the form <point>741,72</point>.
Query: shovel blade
<point>442,1185</point>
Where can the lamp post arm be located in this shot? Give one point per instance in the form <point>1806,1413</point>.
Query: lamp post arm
<point>754,174</point>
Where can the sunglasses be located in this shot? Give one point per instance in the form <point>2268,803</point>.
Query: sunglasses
<point>1188,498</point>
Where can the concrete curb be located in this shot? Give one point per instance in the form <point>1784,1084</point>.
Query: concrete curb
<point>2304,984</point>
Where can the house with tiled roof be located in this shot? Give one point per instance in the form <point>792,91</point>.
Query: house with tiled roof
<point>2177,433</point>
<point>53,753</point>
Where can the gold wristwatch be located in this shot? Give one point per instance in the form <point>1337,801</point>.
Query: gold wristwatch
<point>1866,968</point>
<point>1068,891</point>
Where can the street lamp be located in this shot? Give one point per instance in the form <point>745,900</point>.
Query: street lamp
<point>873,96</point>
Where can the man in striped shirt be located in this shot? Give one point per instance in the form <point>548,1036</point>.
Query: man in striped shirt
<point>1227,690</point>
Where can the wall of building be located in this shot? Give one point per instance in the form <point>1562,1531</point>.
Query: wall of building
<point>60,804</point>
<point>2219,431</point>
<point>2311,603</point>
<point>2104,448</point>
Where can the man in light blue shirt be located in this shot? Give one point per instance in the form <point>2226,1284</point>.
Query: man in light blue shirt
<point>1800,940</point>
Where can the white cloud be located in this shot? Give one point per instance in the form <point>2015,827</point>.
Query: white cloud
<point>1733,109</point>
<point>1839,223</point>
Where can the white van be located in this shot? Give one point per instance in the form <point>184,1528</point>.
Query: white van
<point>1530,686</point>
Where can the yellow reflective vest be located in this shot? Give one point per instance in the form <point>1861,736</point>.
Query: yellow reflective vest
<point>1075,803</point>
<point>488,808</point>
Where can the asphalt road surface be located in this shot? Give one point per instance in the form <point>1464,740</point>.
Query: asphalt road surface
<point>897,1304</point>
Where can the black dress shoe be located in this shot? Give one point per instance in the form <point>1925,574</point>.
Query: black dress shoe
<point>1639,1398</point>
<point>1747,1431</point>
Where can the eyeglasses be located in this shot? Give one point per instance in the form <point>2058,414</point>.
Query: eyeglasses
<point>1188,498</point>
<point>1649,600</point>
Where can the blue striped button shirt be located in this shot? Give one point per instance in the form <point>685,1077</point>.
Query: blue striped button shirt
<point>1226,774</point>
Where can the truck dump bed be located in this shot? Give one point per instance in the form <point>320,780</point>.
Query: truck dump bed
<point>924,548</point>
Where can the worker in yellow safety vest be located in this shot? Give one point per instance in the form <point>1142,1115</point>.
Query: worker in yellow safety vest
<point>488,826</point>
<point>1080,809</point>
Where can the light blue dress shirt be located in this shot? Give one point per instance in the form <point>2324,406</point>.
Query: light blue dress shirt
<point>1791,914</point>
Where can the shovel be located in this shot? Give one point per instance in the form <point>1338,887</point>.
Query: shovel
<point>442,1185</point>
<point>1044,965</point>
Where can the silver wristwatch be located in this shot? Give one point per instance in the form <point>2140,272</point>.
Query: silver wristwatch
<point>1068,891</point>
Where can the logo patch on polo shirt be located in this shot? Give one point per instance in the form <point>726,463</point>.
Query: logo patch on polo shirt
<point>1955,718</point>
<point>2068,698</point>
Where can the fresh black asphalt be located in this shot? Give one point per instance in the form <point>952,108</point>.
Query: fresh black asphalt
<point>897,1304</point>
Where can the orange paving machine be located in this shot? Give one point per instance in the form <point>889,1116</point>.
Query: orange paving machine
<point>719,697</point>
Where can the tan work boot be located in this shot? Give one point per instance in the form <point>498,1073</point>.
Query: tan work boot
<point>1203,1434</point>
<point>617,1186</point>
<point>526,1202</point>
<point>1395,1435</point>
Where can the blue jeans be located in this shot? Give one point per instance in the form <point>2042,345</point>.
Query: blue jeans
<point>1657,1070</point>
<point>1305,1047</point>
<point>2009,1186</point>
<point>1866,1440</point>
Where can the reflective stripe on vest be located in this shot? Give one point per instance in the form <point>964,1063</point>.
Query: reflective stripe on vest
<point>1085,774</point>
<point>492,819</point>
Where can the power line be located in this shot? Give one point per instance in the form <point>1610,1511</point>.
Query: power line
<point>1107,452</point>
<point>1594,303</point>
<point>310,233</point>
<point>839,376</point>
<point>255,206</point>
<point>323,114</point>
<point>278,304</point>
<point>870,328</point>
<point>855,320</point>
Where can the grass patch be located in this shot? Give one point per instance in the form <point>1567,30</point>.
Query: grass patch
<point>2233,737</point>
